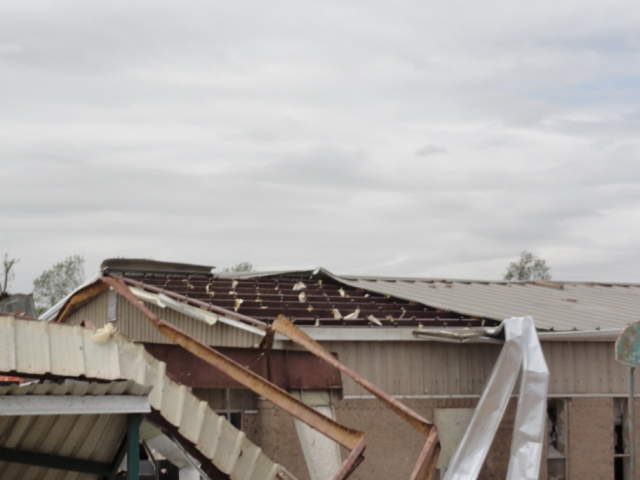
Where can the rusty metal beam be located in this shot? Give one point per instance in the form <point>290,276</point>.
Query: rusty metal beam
<point>352,461</point>
<point>283,326</point>
<point>426,464</point>
<point>425,467</point>
<point>349,438</point>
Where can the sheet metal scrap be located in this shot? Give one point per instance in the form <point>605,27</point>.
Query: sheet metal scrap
<point>426,464</point>
<point>351,439</point>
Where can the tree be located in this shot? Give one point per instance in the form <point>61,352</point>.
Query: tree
<point>57,282</point>
<point>7,274</point>
<point>240,267</point>
<point>528,267</point>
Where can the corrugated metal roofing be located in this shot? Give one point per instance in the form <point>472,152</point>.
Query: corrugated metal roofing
<point>40,348</point>
<point>94,437</point>
<point>554,305</point>
<point>559,306</point>
<point>77,389</point>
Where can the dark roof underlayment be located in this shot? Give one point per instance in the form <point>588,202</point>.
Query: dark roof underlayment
<point>309,298</point>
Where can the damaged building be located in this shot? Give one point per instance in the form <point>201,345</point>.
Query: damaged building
<point>409,337</point>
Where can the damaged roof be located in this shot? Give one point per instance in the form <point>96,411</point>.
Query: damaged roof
<point>310,298</point>
<point>320,298</point>
<point>555,306</point>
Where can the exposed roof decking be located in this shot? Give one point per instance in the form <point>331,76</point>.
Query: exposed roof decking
<point>559,306</point>
<point>309,300</point>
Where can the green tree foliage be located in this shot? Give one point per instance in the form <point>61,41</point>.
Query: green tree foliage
<point>240,267</point>
<point>528,267</point>
<point>7,275</point>
<point>57,282</point>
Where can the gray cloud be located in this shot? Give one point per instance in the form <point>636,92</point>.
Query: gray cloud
<point>293,136</point>
<point>430,150</point>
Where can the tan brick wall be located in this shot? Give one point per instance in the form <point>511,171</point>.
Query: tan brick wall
<point>590,438</point>
<point>274,431</point>
<point>392,445</point>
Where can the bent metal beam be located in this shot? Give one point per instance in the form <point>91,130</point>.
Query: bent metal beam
<point>349,438</point>
<point>425,467</point>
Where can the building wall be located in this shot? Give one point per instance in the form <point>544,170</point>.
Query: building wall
<point>435,368</point>
<point>426,375</point>
<point>94,310</point>
<point>590,438</point>
<point>393,446</point>
<point>134,325</point>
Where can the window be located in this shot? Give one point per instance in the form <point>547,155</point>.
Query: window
<point>621,439</point>
<point>233,415</point>
<point>557,433</point>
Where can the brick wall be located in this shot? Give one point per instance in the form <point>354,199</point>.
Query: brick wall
<point>590,438</point>
<point>393,446</point>
<point>274,431</point>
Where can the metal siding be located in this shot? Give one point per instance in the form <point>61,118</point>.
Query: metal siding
<point>432,368</point>
<point>94,309</point>
<point>134,325</point>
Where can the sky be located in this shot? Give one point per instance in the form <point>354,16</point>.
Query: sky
<point>408,138</point>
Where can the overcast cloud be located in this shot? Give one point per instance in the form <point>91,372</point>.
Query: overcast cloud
<point>401,138</point>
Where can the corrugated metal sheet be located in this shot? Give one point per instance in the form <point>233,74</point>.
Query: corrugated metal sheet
<point>39,348</point>
<point>79,389</point>
<point>133,324</point>
<point>95,310</point>
<point>559,306</point>
<point>432,368</point>
<point>87,437</point>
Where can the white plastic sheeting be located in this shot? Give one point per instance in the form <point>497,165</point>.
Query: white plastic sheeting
<point>521,351</point>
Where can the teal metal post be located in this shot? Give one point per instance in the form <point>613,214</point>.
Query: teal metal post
<point>133,453</point>
<point>632,424</point>
<point>627,352</point>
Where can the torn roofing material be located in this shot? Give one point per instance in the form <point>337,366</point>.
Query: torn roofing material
<point>310,298</point>
<point>32,348</point>
<point>319,298</point>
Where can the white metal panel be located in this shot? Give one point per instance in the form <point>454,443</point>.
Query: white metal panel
<point>120,359</point>
<point>72,404</point>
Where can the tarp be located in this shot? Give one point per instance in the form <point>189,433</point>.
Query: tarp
<point>521,350</point>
